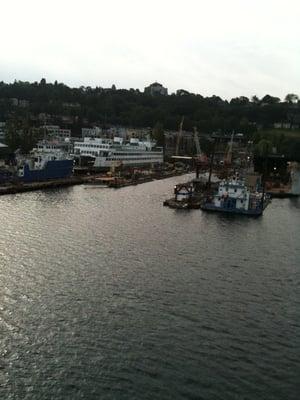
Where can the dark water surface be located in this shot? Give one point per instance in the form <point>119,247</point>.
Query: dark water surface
<point>106,294</point>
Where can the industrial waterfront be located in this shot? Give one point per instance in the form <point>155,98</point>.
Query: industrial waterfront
<point>107,294</point>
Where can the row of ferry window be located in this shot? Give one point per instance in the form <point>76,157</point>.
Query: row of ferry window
<point>98,146</point>
<point>96,153</point>
<point>134,154</point>
<point>119,154</point>
<point>93,153</point>
<point>129,159</point>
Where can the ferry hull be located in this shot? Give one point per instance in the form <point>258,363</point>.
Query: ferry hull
<point>106,165</point>
<point>57,169</point>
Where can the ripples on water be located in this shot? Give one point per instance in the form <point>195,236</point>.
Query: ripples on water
<point>107,294</point>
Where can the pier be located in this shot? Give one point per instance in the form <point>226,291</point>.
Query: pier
<point>114,181</point>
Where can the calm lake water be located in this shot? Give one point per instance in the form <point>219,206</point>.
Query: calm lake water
<point>106,294</point>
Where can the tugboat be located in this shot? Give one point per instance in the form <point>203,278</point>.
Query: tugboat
<point>233,196</point>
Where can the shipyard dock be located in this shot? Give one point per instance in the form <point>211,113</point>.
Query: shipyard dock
<point>29,187</point>
<point>93,180</point>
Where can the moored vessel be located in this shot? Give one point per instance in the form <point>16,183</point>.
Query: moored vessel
<point>104,153</point>
<point>235,197</point>
<point>46,162</point>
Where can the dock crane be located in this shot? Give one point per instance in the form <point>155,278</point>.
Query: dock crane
<point>197,142</point>
<point>179,135</point>
<point>200,157</point>
<point>228,156</point>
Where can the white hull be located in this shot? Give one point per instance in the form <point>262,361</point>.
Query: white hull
<point>133,160</point>
<point>107,153</point>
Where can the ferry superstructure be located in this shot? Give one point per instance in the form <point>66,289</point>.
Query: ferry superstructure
<point>107,152</point>
<point>46,162</point>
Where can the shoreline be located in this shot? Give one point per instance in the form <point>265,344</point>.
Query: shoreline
<point>111,182</point>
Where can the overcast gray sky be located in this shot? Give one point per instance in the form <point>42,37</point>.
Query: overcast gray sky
<point>223,47</point>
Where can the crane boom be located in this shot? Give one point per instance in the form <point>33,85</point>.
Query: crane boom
<point>179,136</point>
<point>197,142</point>
<point>228,156</point>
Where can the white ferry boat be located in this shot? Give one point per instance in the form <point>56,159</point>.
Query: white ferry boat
<point>106,153</point>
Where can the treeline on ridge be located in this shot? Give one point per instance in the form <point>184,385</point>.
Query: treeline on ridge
<point>104,107</point>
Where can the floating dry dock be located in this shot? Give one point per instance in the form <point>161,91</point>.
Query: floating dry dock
<point>191,194</point>
<point>29,187</point>
<point>282,193</point>
<point>183,204</point>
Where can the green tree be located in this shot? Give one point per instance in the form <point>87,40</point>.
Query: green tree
<point>270,99</point>
<point>12,135</point>
<point>20,135</point>
<point>240,101</point>
<point>291,98</point>
<point>158,134</point>
<point>29,138</point>
<point>263,148</point>
<point>255,99</point>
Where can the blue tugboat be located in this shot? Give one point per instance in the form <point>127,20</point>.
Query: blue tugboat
<point>46,162</point>
<point>233,196</point>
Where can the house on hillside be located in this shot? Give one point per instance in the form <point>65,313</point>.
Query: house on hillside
<point>55,132</point>
<point>156,89</point>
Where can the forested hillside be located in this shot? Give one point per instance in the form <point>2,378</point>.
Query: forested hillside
<point>88,106</point>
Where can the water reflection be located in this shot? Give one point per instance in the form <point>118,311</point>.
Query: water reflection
<point>108,294</point>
